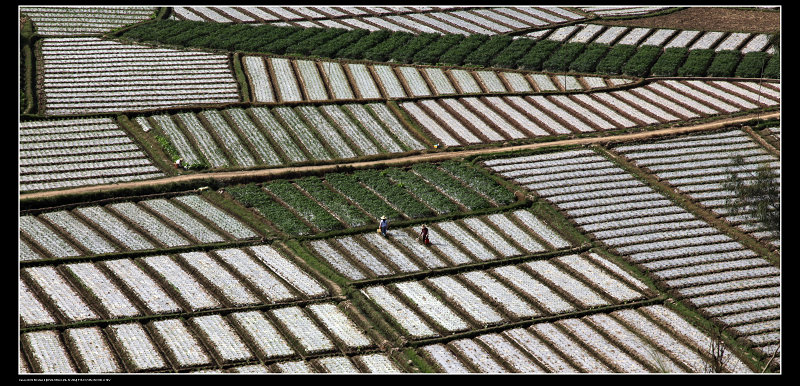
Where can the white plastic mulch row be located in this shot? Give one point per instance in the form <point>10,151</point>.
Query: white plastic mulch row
<point>372,127</point>
<point>268,131</point>
<point>287,86</point>
<point>84,152</point>
<point>67,21</point>
<point>303,132</point>
<point>477,299</point>
<point>187,286</point>
<point>194,285</point>
<point>57,292</point>
<point>655,103</point>
<point>478,239</point>
<point>624,341</point>
<point>414,19</point>
<point>230,141</point>
<point>236,337</point>
<point>349,129</point>
<point>31,311</point>
<point>710,156</point>
<point>206,144</point>
<point>170,69</point>
<point>612,11</point>
<point>336,80</point>
<point>115,303</point>
<point>311,80</point>
<point>256,71</point>
<point>667,38</point>
<point>388,81</point>
<point>659,239</point>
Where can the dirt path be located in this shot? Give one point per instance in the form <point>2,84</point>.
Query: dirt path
<point>429,157</point>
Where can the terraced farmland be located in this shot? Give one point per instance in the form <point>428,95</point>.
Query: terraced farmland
<point>706,268</point>
<point>201,188</point>
<point>404,19</point>
<point>68,153</point>
<point>339,201</point>
<point>65,21</point>
<point>91,75</point>
<point>462,121</point>
<point>304,80</point>
<point>702,164</point>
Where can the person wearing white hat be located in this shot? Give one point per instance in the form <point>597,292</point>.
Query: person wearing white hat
<point>384,225</point>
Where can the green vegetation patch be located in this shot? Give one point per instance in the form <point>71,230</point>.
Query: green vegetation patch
<point>452,187</point>
<point>457,54</point>
<point>588,59</point>
<point>616,57</point>
<point>639,64</point>
<point>397,195</point>
<point>511,55</point>
<point>538,54</point>
<point>696,63</point>
<point>669,61</point>
<point>422,190</point>
<point>305,207</point>
<point>281,46</point>
<point>484,54</point>
<point>335,202</point>
<point>252,196</point>
<point>358,49</point>
<point>365,198</point>
<point>563,57</point>
<point>433,51</point>
<point>305,46</point>
<point>405,53</point>
<point>332,47</point>
<point>752,65</point>
<point>773,69</point>
<point>382,51</point>
<point>724,63</point>
<point>480,181</point>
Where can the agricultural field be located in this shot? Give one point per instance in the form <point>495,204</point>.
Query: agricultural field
<point>201,190</point>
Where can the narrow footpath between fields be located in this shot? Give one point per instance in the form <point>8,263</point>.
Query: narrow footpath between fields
<point>429,157</point>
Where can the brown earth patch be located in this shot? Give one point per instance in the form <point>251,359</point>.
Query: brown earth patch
<point>710,19</point>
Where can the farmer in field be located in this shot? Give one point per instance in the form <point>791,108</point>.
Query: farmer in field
<point>384,225</point>
<point>424,235</point>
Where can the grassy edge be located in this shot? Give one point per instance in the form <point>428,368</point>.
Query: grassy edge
<point>156,151</point>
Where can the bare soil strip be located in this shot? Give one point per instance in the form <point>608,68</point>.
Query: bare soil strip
<point>429,157</point>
